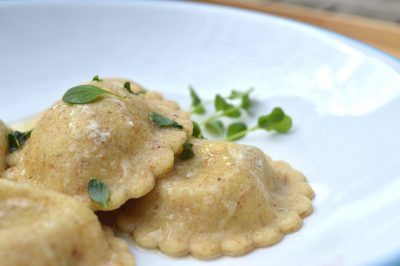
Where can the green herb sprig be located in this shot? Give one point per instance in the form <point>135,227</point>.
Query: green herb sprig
<point>187,151</point>
<point>197,105</point>
<point>96,78</point>
<point>197,131</point>
<point>127,86</point>
<point>276,121</point>
<point>17,139</point>
<point>163,121</point>
<point>98,192</point>
<point>83,94</point>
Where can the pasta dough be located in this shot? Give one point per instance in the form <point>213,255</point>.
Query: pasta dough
<point>47,228</point>
<point>3,146</point>
<point>228,199</point>
<point>111,140</point>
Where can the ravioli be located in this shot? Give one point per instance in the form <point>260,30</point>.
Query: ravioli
<point>112,140</point>
<point>228,199</point>
<point>39,227</point>
<point>3,146</point>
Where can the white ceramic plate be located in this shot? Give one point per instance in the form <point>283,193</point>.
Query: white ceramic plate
<point>342,95</point>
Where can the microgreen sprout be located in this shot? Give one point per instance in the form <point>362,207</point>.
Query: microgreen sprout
<point>227,108</point>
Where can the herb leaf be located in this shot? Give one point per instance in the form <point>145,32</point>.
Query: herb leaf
<point>244,96</point>
<point>246,103</point>
<point>232,112</point>
<point>236,131</point>
<point>227,109</point>
<point>283,126</point>
<point>187,152</point>
<point>96,78</point>
<point>13,144</point>
<point>98,192</point>
<point>85,94</point>
<point>239,94</point>
<point>220,103</point>
<point>163,121</point>
<point>215,127</point>
<point>235,95</point>
<point>198,107</point>
<point>197,131</point>
<point>17,139</point>
<point>277,120</point>
<point>275,116</point>
<point>127,86</point>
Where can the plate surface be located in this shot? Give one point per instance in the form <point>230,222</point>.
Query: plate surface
<point>342,96</point>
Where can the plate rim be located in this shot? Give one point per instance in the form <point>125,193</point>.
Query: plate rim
<point>363,48</point>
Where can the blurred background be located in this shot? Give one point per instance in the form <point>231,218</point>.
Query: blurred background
<point>375,22</point>
<point>379,9</point>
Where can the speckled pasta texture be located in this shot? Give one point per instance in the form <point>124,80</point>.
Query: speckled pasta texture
<point>39,227</point>
<point>3,147</point>
<point>112,140</point>
<point>227,200</point>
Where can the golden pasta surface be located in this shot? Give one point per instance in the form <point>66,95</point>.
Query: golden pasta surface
<point>228,199</point>
<point>112,140</point>
<point>40,227</point>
